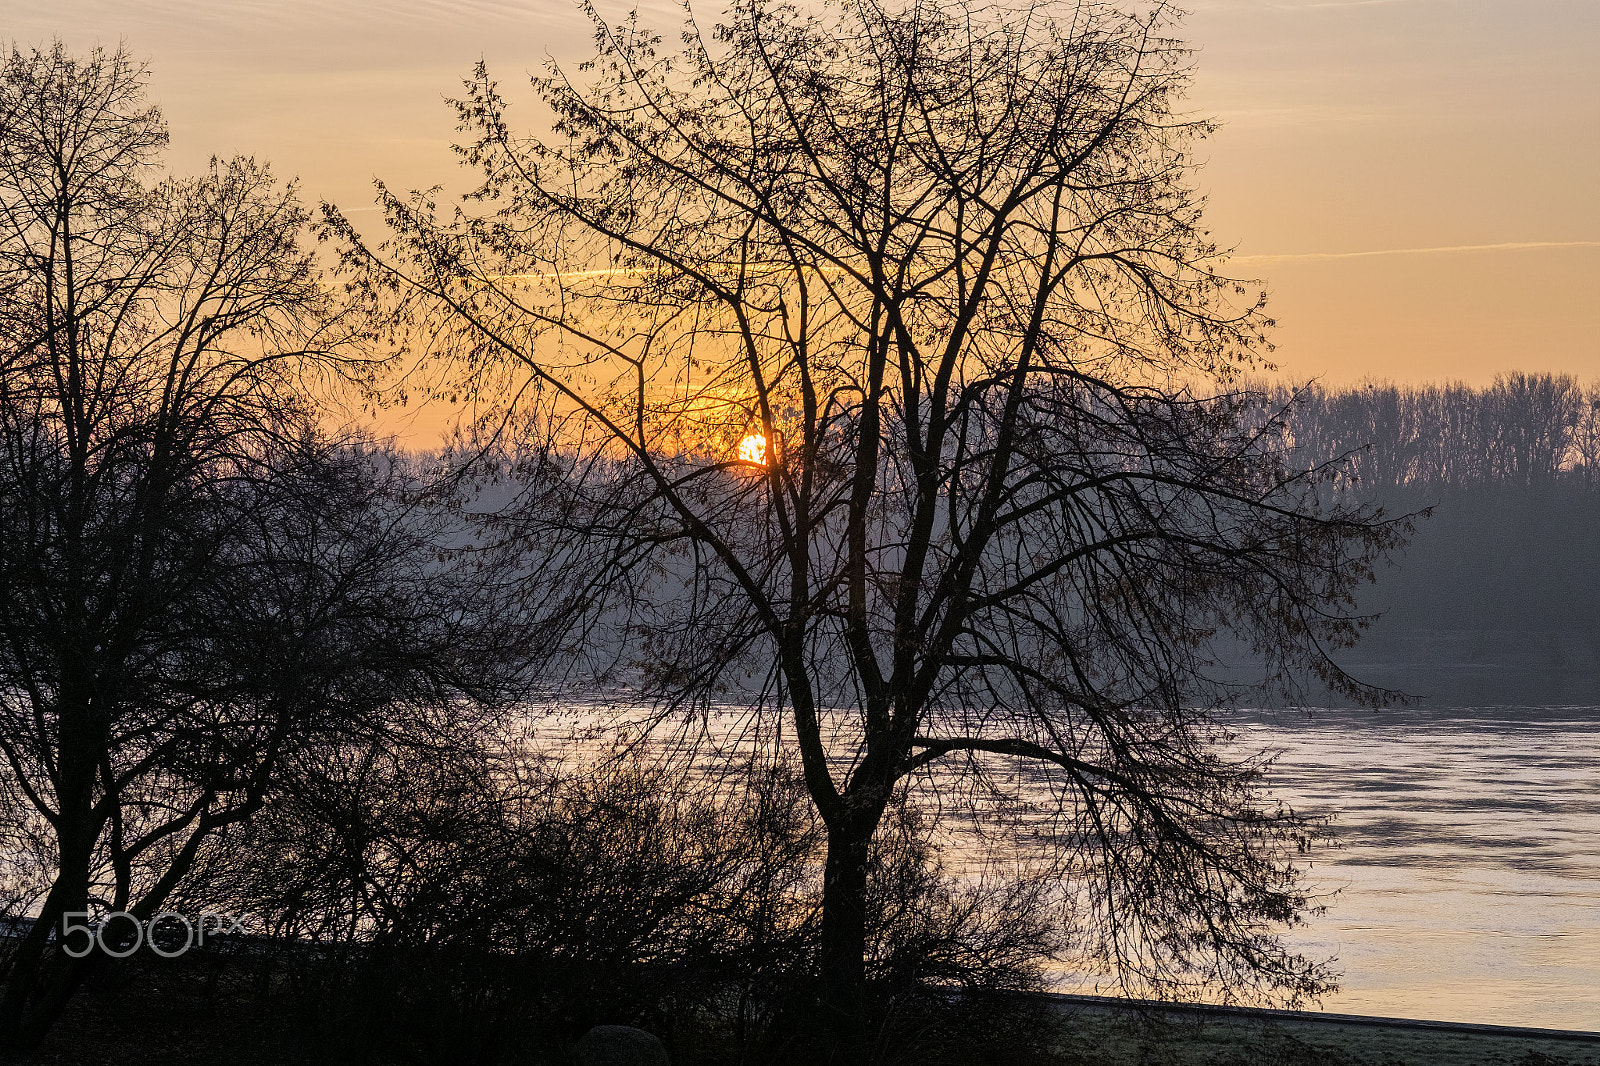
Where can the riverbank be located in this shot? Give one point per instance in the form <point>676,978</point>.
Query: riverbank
<point>1127,1033</point>
<point>166,1025</point>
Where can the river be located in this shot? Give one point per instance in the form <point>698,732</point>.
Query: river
<point>1468,880</point>
<point>1465,883</point>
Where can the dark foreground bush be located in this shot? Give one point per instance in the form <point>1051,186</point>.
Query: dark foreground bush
<point>485,910</point>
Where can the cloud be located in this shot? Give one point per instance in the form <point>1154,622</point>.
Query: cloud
<point>1255,6</point>
<point>1512,246</point>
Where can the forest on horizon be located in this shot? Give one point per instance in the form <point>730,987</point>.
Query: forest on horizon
<point>1496,600</point>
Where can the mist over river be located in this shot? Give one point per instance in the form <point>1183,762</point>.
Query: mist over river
<point>1469,874</point>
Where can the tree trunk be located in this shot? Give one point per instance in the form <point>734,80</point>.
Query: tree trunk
<point>844,940</point>
<point>41,978</point>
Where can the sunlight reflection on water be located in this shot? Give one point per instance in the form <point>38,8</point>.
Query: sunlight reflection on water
<point>1469,877</point>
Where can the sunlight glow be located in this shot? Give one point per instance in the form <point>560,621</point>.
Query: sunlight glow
<point>753,449</point>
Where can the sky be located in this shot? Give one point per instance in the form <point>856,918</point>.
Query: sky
<point>1417,182</point>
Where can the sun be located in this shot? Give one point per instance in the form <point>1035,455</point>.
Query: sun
<point>753,449</point>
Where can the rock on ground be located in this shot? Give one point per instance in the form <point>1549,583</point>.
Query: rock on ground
<point>620,1045</point>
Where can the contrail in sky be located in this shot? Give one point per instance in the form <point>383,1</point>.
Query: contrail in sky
<point>1512,246</point>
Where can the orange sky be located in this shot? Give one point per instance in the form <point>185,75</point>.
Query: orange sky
<point>1416,180</point>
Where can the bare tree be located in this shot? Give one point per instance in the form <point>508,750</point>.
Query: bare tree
<point>1534,416</point>
<point>1586,437</point>
<point>201,588</point>
<point>860,339</point>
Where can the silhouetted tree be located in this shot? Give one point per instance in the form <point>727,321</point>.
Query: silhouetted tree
<point>1534,416</point>
<point>850,335</point>
<point>201,590</point>
<point>1586,436</point>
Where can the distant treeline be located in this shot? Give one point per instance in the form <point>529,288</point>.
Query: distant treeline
<point>1524,429</point>
<point>1496,597</point>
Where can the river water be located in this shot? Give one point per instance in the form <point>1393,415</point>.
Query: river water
<point>1465,881</point>
<point>1468,880</point>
